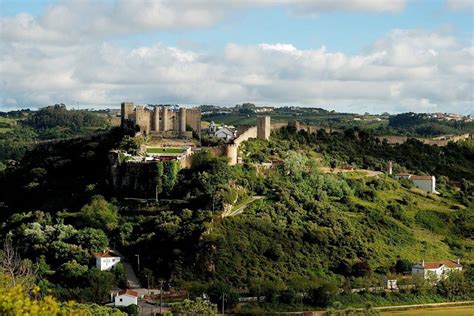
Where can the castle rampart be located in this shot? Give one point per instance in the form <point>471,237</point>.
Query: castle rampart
<point>163,120</point>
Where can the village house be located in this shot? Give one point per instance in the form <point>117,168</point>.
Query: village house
<point>426,183</point>
<point>436,269</point>
<point>125,298</point>
<point>225,132</point>
<point>106,260</point>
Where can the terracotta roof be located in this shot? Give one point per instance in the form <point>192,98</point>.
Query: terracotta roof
<point>437,264</point>
<point>128,292</point>
<point>421,178</point>
<point>106,253</point>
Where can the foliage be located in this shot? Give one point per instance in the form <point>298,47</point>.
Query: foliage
<point>194,307</point>
<point>15,301</point>
<point>100,214</point>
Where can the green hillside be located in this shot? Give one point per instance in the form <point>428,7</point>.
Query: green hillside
<point>308,238</point>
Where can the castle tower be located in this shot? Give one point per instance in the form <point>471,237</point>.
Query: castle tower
<point>164,120</point>
<point>182,120</point>
<point>231,153</point>
<point>141,119</point>
<point>126,108</point>
<point>155,126</point>
<point>263,127</point>
<point>389,168</point>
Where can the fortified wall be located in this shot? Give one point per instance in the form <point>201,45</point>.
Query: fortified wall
<point>261,131</point>
<point>160,120</point>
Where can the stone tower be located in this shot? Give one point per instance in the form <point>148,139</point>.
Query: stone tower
<point>389,168</point>
<point>164,120</point>
<point>231,153</point>
<point>182,120</point>
<point>126,108</point>
<point>263,127</point>
<point>155,119</point>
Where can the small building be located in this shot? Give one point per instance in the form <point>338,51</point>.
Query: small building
<point>437,269</point>
<point>106,260</point>
<point>125,298</point>
<point>226,133</point>
<point>426,183</point>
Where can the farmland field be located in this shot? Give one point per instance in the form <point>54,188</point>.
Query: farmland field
<point>440,311</point>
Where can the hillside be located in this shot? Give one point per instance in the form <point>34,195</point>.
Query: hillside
<point>311,231</point>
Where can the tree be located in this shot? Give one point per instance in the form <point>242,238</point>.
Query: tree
<point>16,301</point>
<point>99,285</point>
<point>19,270</point>
<point>402,266</point>
<point>456,286</point>
<point>324,294</point>
<point>100,214</point>
<point>360,269</point>
<point>191,307</point>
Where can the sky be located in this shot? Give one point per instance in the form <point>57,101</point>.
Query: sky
<point>345,55</point>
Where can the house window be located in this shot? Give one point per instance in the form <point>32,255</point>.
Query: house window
<point>121,300</point>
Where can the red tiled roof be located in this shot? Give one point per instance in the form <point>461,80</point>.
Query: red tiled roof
<point>436,264</point>
<point>106,253</point>
<point>128,292</point>
<point>421,178</point>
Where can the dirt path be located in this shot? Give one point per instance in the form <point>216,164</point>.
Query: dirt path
<point>241,208</point>
<point>367,172</point>
<point>431,305</point>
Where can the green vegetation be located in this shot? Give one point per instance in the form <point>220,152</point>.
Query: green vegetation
<point>164,150</point>
<point>310,239</point>
<point>414,124</point>
<point>20,130</point>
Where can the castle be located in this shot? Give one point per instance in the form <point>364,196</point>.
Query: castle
<point>164,121</point>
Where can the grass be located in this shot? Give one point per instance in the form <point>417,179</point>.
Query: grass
<point>163,150</point>
<point>436,311</point>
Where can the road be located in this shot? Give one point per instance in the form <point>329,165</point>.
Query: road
<point>241,208</point>
<point>132,279</point>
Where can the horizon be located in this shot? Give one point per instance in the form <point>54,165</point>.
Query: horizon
<point>117,107</point>
<point>348,56</point>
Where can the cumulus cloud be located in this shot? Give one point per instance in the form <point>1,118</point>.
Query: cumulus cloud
<point>65,55</point>
<point>405,70</point>
<point>460,5</point>
<point>79,20</point>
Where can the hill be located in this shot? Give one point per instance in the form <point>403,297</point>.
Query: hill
<point>310,233</point>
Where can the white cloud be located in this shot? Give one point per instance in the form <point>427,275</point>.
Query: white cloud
<point>460,5</point>
<point>79,20</point>
<point>64,55</point>
<point>405,70</point>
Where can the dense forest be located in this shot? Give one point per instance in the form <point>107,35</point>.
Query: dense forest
<point>22,129</point>
<point>308,235</point>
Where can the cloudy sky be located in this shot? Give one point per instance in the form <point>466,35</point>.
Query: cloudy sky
<point>347,55</point>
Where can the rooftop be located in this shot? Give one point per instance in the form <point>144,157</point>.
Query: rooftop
<point>437,264</point>
<point>128,292</point>
<point>421,178</point>
<point>106,254</point>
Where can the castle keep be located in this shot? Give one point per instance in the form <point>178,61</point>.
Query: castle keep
<point>162,120</point>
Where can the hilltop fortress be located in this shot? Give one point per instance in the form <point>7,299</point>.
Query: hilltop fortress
<point>161,120</point>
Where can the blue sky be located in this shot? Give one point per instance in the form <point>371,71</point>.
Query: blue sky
<point>201,37</point>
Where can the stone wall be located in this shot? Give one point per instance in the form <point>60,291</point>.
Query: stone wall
<point>161,119</point>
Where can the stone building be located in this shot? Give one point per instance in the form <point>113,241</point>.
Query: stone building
<point>263,127</point>
<point>162,120</point>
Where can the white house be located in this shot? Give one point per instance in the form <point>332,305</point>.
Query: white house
<point>426,183</point>
<point>125,298</point>
<point>225,132</point>
<point>437,269</point>
<point>106,259</point>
